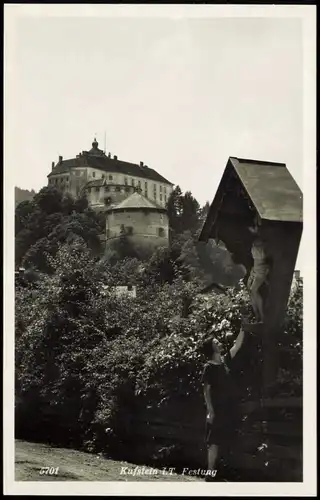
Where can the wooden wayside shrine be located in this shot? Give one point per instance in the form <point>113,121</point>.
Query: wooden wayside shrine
<point>265,192</point>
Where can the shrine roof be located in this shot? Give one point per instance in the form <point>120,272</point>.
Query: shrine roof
<point>271,188</point>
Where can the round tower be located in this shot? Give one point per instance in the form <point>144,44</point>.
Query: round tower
<point>142,221</point>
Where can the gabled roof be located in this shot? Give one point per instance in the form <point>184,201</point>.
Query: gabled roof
<point>271,188</point>
<point>136,201</point>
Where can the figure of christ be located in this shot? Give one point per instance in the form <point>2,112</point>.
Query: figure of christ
<point>258,275</point>
<point>223,416</point>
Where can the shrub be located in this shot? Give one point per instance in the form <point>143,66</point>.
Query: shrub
<point>87,361</point>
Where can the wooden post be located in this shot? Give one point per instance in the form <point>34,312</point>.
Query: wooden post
<point>283,244</point>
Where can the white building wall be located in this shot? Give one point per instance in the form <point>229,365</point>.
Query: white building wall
<point>153,190</point>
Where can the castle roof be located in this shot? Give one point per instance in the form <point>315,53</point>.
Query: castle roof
<point>97,159</point>
<point>137,201</point>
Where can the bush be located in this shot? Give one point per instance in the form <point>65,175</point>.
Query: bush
<point>87,361</point>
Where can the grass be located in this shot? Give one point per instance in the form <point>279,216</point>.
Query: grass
<point>77,466</point>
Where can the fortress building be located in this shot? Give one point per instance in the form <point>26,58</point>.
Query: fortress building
<point>132,196</point>
<point>144,222</point>
<point>107,180</point>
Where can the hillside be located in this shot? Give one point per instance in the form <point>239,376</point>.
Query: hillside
<point>23,195</point>
<point>74,465</point>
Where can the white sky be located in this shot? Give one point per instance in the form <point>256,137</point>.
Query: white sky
<point>182,95</point>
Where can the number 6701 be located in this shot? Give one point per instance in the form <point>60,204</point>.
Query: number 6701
<point>50,471</point>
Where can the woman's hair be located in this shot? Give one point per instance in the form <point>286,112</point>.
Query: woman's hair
<point>209,348</point>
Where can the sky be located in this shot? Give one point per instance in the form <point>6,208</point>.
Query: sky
<point>181,95</point>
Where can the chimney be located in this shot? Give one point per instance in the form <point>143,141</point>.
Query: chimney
<point>141,164</point>
<point>115,157</point>
<point>60,159</point>
<point>52,165</point>
<point>109,155</point>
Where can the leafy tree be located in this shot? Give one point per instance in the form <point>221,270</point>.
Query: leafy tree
<point>50,219</point>
<point>49,200</point>
<point>175,210</point>
<point>190,217</point>
<point>22,213</point>
<point>87,359</point>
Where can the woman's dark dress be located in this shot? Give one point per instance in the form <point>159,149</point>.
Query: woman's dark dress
<point>224,427</point>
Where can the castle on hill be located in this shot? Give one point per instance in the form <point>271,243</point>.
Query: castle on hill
<point>132,196</point>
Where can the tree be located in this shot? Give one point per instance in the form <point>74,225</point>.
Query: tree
<point>183,212</point>
<point>190,217</point>
<point>22,213</point>
<point>121,248</point>
<point>49,200</point>
<point>52,218</point>
<point>175,210</point>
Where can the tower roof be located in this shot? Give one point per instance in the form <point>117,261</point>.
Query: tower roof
<point>95,150</point>
<point>137,201</point>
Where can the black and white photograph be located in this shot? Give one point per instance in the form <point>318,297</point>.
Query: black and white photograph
<point>160,250</point>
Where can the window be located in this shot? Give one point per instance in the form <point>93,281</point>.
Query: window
<point>139,184</point>
<point>62,179</point>
<point>102,176</point>
<point>145,185</point>
<point>160,188</point>
<point>122,228</point>
<point>110,177</point>
<point>93,174</point>
<point>106,189</point>
<point>165,189</point>
<point>67,178</point>
<point>130,288</point>
<point>97,189</point>
<point>146,194</point>
<point>154,187</point>
<point>132,182</point>
<point>160,197</point>
<point>165,198</point>
<point>127,189</point>
<point>155,195</point>
<point>129,230</point>
<point>107,201</point>
<point>118,188</point>
<point>125,181</point>
<point>161,232</point>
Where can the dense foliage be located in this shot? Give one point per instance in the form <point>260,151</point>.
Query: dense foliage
<point>89,360</point>
<point>86,359</point>
<point>50,219</point>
